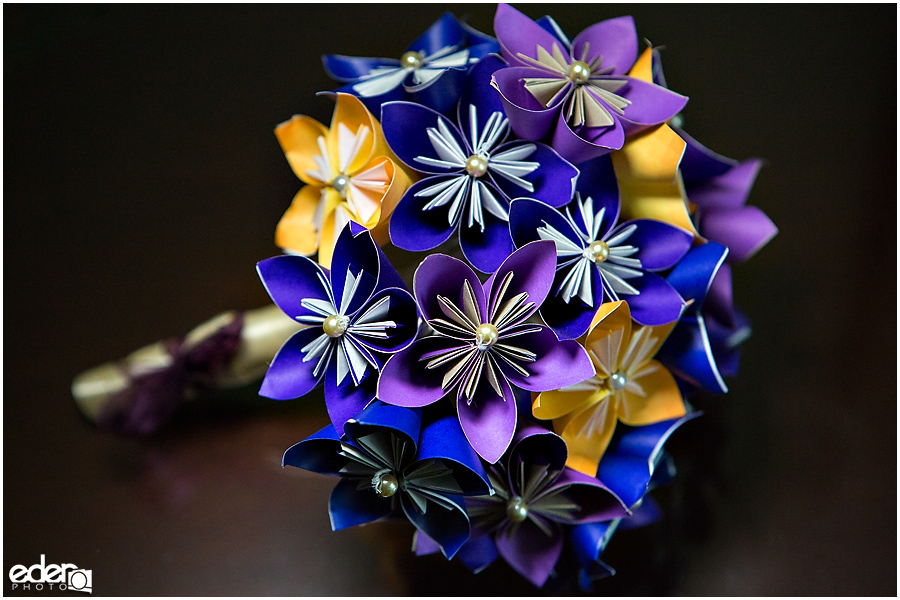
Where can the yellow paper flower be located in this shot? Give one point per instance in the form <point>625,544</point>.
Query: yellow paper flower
<point>646,168</point>
<point>350,173</point>
<point>629,386</point>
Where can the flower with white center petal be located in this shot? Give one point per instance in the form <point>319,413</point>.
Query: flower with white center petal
<point>351,175</point>
<point>629,385</point>
<point>351,319</point>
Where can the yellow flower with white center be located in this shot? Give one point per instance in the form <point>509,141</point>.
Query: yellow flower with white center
<point>628,386</point>
<point>351,175</point>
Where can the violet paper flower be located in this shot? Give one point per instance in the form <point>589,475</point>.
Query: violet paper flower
<point>704,342</point>
<point>536,498</point>
<point>599,261</point>
<point>391,463</point>
<point>471,172</point>
<point>483,345</point>
<point>354,316</point>
<point>429,72</point>
<point>578,93</point>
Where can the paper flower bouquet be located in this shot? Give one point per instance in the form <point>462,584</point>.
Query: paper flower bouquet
<point>514,396</point>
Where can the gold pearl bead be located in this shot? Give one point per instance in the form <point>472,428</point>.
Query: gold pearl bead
<point>579,72</point>
<point>476,165</point>
<point>516,509</point>
<point>411,60</point>
<point>335,325</point>
<point>486,335</point>
<point>597,252</point>
<point>385,484</point>
<point>340,184</point>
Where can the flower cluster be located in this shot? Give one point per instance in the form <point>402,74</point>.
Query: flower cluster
<point>516,397</point>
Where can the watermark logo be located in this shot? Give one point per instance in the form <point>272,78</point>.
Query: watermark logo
<point>52,577</point>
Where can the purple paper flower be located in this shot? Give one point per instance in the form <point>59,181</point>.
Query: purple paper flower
<point>535,498</point>
<point>578,93</point>
<point>354,316</point>
<point>471,172</point>
<point>429,72</point>
<point>483,344</point>
<point>599,261</point>
<point>392,463</point>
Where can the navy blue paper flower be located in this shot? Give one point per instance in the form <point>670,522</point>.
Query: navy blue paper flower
<point>391,464</point>
<point>600,260</point>
<point>352,318</point>
<point>471,172</point>
<point>430,72</point>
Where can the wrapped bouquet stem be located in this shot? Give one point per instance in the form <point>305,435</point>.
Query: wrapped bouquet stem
<point>139,392</point>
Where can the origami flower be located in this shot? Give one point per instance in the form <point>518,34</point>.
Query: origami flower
<point>535,498</point>
<point>704,339</point>
<point>350,173</point>
<point>354,316</point>
<point>578,93</point>
<point>471,173</point>
<point>629,385</point>
<point>597,259</point>
<point>719,186</point>
<point>483,344</point>
<point>390,463</point>
<point>429,72</point>
<point>632,465</point>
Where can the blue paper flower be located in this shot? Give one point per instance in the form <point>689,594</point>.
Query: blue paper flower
<point>600,260</point>
<point>390,463</point>
<point>429,72</point>
<point>471,172</point>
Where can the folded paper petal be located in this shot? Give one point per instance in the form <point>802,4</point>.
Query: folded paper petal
<point>556,403</point>
<point>534,444</point>
<point>587,434</point>
<point>476,90</point>
<point>405,381</point>
<point>489,424</point>
<point>406,130</point>
<point>629,463</point>
<point>596,502</point>
<point>614,39</point>
<point>289,376</point>
<point>694,275</point>
<point>442,275</point>
<point>657,303</point>
<point>688,354</point>
<point>478,553</point>
<point>297,137</point>
<point>517,34</point>
<point>488,249</point>
<point>290,279</point>
<point>317,453</point>
<point>448,527</point>
<point>530,551</point>
<point>744,230</point>
<point>296,230</point>
<point>349,507</point>
<point>527,117</point>
<point>355,252</point>
<point>415,229</point>
<point>650,105</point>
<point>443,439</point>
<point>726,190</point>
<point>345,400</point>
<point>587,142</point>
<point>662,400</point>
<point>533,267</point>
<point>554,180</point>
<point>402,422</point>
<point>559,363</point>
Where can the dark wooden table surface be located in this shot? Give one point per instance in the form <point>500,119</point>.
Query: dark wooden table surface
<point>142,182</point>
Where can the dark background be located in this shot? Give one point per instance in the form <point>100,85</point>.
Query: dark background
<point>142,182</point>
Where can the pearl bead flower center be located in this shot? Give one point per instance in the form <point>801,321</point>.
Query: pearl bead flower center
<point>385,484</point>
<point>616,381</point>
<point>411,60</point>
<point>597,252</point>
<point>476,165</point>
<point>335,325</point>
<point>579,72</point>
<point>516,509</point>
<point>486,336</point>
<point>340,184</point>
